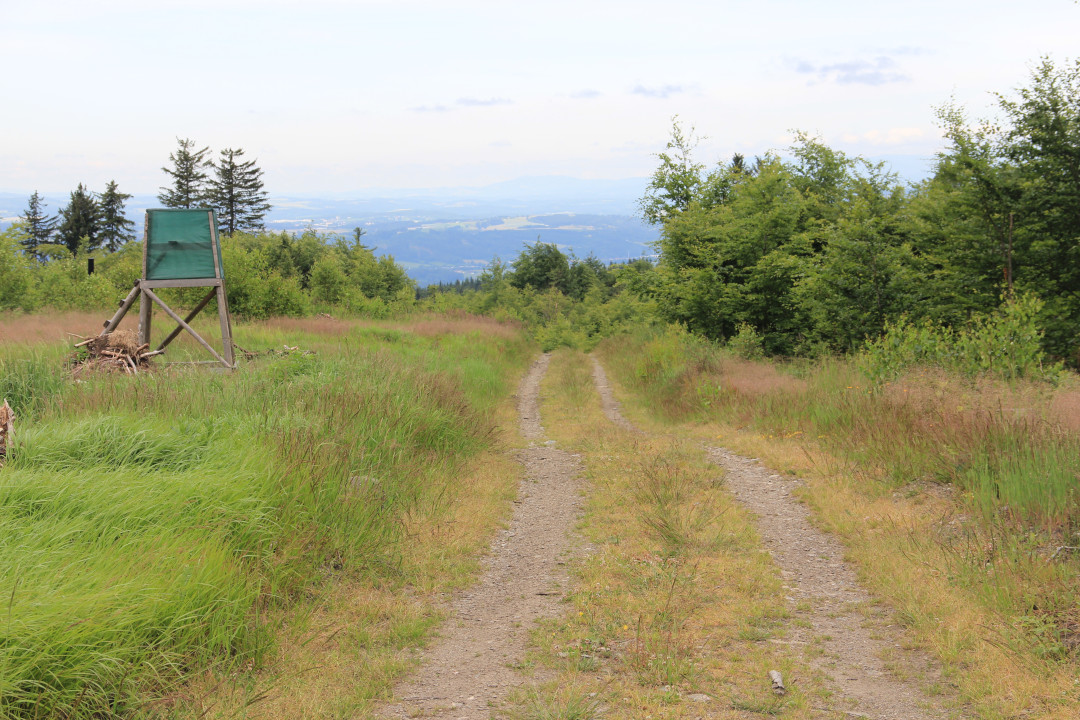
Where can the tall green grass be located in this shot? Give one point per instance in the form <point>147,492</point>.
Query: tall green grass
<point>146,522</point>
<point>30,376</point>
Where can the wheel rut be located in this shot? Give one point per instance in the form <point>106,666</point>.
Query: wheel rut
<point>468,672</point>
<point>836,615</point>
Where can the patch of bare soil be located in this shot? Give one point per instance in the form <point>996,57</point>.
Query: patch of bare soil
<point>612,409</point>
<point>846,635</point>
<point>469,670</point>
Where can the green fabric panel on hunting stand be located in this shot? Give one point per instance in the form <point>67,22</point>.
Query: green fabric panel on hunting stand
<point>180,244</point>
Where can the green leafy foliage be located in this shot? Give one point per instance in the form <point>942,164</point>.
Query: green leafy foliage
<point>1006,344</point>
<point>746,343</point>
<point>266,275</point>
<point>677,180</point>
<point>824,251</point>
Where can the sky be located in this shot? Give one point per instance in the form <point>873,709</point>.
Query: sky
<point>332,96</point>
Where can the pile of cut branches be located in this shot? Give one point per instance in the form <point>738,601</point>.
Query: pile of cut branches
<point>118,351</point>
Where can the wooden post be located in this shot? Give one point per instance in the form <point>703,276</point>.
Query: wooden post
<point>226,327</point>
<point>124,307</point>
<point>222,303</point>
<point>146,308</point>
<point>146,314</point>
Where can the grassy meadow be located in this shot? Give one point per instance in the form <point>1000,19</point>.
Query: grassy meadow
<point>957,496</point>
<point>279,541</point>
<point>161,533</point>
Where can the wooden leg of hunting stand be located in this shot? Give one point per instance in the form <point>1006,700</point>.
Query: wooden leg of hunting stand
<point>122,311</point>
<point>226,326</point>
<point>146,310</point>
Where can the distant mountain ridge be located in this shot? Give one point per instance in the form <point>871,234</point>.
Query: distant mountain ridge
<point>451,234</point>
<point>447,234</point>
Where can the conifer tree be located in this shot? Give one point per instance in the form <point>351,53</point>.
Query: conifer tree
<point>40,226</point>
<point>237,193</point>
<point>189,179</point>
<point>115,228</point>
<point>81,218</point>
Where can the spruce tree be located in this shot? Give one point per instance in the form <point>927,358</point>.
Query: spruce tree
<point>40,226</point>
<point>78,220</point>
<point>115,228</point>
<point>236,192</point>
<point>189,178</point>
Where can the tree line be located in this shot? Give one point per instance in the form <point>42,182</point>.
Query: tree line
<point>822,251</point>
<point>90,221</point>
<point>819,252</point>
<point>96,221</point>
<point>813,252</point>
<point>268,274</point>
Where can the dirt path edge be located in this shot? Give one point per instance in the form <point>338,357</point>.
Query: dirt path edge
<point>468,672</point>
<point>838,616</point>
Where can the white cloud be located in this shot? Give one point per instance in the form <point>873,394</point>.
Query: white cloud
<point>483,102</point>
<point>661,92</point>
<point>880,70</point>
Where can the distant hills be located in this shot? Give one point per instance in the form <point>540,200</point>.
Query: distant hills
<point>447,234</point>
<point>451,234</point>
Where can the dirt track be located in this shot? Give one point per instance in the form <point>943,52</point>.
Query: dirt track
<point>468,671</point>
<point>823,593</point>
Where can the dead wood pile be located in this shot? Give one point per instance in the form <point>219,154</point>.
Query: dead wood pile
<point>118,351</point>
<point>273,352</point>
<point>7,430</point>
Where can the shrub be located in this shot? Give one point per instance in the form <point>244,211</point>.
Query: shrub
<point>1006,344</point>
<point>747,343</point>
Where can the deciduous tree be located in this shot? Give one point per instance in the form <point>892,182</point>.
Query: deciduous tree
<point>541,266</point>
<point>678,179</point>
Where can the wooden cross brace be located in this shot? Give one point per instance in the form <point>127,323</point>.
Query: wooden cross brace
<point>144,288</point>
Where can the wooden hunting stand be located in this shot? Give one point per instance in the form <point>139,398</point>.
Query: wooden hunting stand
<point>181,248</point>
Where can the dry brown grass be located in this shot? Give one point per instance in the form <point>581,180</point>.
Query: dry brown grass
<point>753,379</point>
<point>918,546</point>
<point>933,392</point>
<point>50,327</point>
<point>453,323</point>
<point>675,596</point>
<point>462,323</point>
<point>1065,407</point>
<point>318,325</point>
